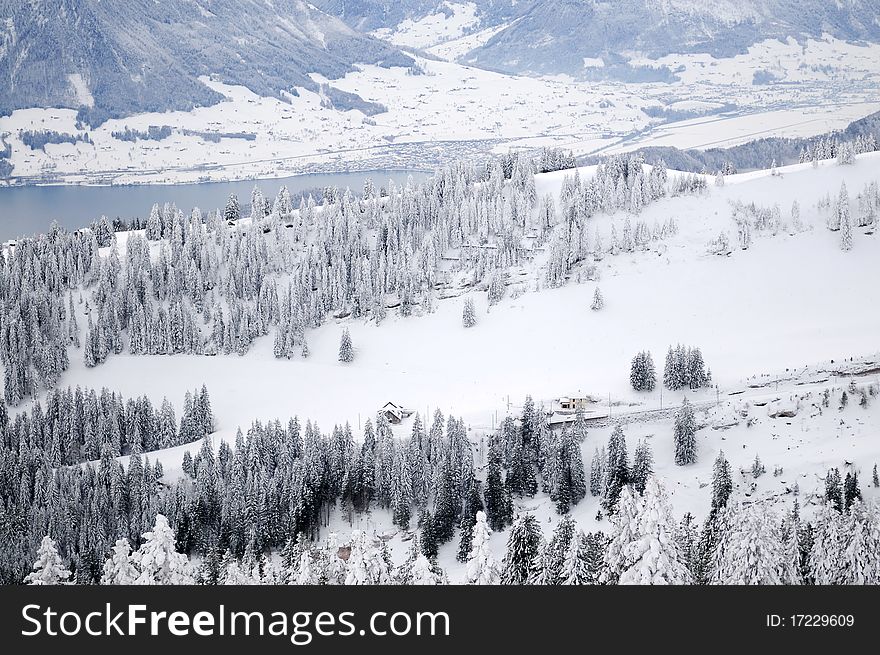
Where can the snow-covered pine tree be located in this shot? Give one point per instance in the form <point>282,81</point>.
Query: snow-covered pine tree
<point>685,435</point>
<point>428,535</point>
<point>523,546</point>
<point>597,472</point>
<point>575,566</point>
<point>48,569</point>
<point>751,552</point>
<point>829,541</point>
<point>672,375</point>
<point>598,300</point>
<point>555,552</point>
<point>232,212</point>
<point>118,569</point>
<point>647,551</point>
<point>473,505</point>
<point>796,222</point>
<point>861,550</point>
<point>834,489</point>
<point>346,349</point>
<point>844,220</point>
<point>482,569</point>
<point>499,506</point>
<point>423,572</point>
<point>306,573</point>
<point>617,470</point>
<point>366,565</point>
<point>642,467</point>
<point>722,485</point>
<point>642,376</point>
<point>231,572</point>
<point>158,561</point>
<point>790,571</point>
<point>851,490</point>
<point>469,314</point>
<point>840,209</point>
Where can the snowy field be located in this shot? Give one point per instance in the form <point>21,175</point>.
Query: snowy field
<point>452,23</point>
<point>769,320</point>
<point>452,111</point>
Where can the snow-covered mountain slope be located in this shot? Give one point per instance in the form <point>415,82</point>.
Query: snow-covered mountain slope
<point>112,58</point>
<point>787,320</point>
<point>778,324</point>
<point>275,97</point>
<point>790,300</point>
<point>451,21</point>
<point>557,36</point>
<point>369,15</point>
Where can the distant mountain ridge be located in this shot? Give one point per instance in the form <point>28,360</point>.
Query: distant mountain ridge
<point>368,15</point>
<point>111,58</point>
<point>556,36</point>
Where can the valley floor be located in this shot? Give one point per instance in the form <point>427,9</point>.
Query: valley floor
<point>452,110</point>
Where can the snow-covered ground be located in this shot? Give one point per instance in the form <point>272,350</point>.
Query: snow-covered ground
<point>769,321</point>
<point>449,22</point>
<point>453,110</point>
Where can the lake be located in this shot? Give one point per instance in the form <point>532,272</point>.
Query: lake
<point>27,210</point>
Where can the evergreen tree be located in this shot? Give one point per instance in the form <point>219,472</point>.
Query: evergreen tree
<point>556,551</point>
<point>834,489</point>
<point>469,313</point>
<point>523,546</point>
<point>597,472</point>
<point>643,548</point>
<point>346,350</point>
<point>826,554</point>
<point>482,568</point>
<point>423,573</point>
<point>305,574</point>
<point>366,563</point>
<point>643,466</point>
<point>233,211</point>
<point>157,560</point>
<point>598,300</point>
<point>499,506</point>
<point>575,567</point>
<point>751,550</point>
<point>672,375</point>
<point>844,219</point>
<point>48,569</point>
<point>617,472</point>
<point>685,435</point>
<point>642,376</point>
<point>722,485</point>
<point>851,491</point>
<point>428,540</point>
<point>118,569</point>
<point>472,506</point>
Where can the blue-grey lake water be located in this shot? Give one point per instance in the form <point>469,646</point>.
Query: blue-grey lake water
<point>28,210</point>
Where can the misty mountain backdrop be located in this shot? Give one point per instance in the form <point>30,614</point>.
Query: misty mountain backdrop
<point>112,58</point>
<point>117,57</point>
